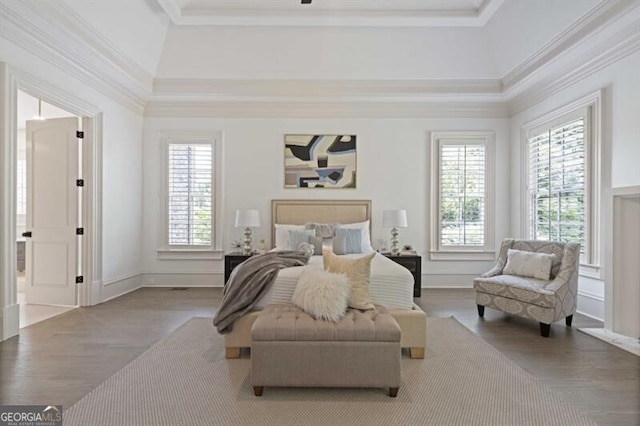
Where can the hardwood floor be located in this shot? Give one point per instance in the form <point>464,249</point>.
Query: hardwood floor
<point>62,359</point>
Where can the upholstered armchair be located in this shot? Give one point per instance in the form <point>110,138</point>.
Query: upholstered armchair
<point>516,291</point>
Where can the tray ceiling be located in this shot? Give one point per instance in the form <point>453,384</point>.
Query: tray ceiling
<point>331,12</point>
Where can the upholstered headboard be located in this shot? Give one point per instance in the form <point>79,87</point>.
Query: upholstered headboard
<point>299,212</point>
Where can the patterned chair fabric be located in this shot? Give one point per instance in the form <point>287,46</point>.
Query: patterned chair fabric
<point>540,300</point>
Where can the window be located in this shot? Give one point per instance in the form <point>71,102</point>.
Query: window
<point>191,177</point>
<point>190,194</point>
<point>462,219</point>
<point>561,172</point>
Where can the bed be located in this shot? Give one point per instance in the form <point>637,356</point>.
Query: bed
<point>391,285</point>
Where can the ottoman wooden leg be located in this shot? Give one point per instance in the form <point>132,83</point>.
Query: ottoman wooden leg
<point>393,392</point>
<point>232,353</point>
<point>257,390</point>
<point>416,353</point>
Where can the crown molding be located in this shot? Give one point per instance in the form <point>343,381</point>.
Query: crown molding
<point>611,50</point>
<point>386,98</point>
<point>302,109</point>
<point>313,15</point>
<point>54,33</point>
<point>596,19</point>
<point>240,89</point>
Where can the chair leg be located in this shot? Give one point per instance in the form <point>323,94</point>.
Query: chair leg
<point>393,392</point>
<point>544,329</point>
<point>257,390</point>
<point>480,310</point>
<point>568,320</point>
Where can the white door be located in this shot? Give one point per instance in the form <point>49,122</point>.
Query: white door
<point>52,211</point>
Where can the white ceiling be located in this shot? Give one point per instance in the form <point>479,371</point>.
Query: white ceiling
<point>331,12</point>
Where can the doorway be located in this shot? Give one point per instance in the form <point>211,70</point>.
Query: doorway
<point>37,289</point>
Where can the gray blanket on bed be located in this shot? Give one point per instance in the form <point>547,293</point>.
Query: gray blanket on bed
<point>249,281</point>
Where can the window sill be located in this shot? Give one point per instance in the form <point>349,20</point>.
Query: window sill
<point>462,255</point>
<point>187,254</point>
<point>590,271</point>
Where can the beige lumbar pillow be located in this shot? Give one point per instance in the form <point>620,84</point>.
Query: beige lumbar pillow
<point>357,271</point>
<point>528,264</point>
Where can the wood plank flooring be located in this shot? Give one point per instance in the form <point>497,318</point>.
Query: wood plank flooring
<point>62,359</point>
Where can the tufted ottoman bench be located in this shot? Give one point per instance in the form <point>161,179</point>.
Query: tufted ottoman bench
<point>291,348</point>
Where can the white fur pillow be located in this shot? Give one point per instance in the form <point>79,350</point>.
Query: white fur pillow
<point>528,264</point>
<point>321,294</point>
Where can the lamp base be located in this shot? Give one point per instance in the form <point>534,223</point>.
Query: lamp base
<point>247,249</point>
<point>395,248</point>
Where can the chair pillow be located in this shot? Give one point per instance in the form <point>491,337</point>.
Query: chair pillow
<point>321,294</point>
<point>528,264</point>
<point>357,271</point>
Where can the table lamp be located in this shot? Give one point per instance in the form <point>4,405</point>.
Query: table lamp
<point>247,219</point>
<point>394,219</point>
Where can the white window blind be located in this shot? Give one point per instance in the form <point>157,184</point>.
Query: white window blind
<point>462,195</point>
<point>190,195</point>
<point>557,183</point>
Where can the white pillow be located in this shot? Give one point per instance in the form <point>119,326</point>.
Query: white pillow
<point>366,238</point>
<point>529,264</point>
<point>323,295</point>
<point>282,235</point>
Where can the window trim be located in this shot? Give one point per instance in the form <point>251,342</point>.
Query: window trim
<point>591,108</point>
<point>213,251</point>
<point>487,252</point>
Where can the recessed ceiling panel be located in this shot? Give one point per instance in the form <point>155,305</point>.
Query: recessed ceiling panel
<point>331,12</point>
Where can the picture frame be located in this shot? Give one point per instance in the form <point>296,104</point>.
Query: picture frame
<point>320,161</point>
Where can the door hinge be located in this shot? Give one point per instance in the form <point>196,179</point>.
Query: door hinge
<point>79,279</point>
<point>79,231</point>
<point>79,134</point>
<point>79,182</point>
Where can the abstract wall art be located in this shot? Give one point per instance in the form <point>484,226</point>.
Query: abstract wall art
<point>320,161</point>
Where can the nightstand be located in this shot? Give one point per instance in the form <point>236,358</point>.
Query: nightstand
<point>414,264</point>
<point>231,260</point>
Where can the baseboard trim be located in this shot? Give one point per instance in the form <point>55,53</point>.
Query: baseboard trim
<point>120,294</point>
<point>448,281</point>
<point>591,305</point>
<point>10,321</point>
<point>447,287</point>
<point>124,284</point>
<point>187,279</point>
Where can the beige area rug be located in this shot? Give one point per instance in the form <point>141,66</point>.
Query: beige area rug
<point>185,380</point>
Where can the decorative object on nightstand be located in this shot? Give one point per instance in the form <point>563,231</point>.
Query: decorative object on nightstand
<point>394,219</point>
<point>413,263</point>
<point>247,219</point>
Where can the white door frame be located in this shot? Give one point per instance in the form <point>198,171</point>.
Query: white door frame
<point>89,293</point>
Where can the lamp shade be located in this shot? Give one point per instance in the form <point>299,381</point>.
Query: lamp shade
<point>247,218</point>
<point>394,219</point>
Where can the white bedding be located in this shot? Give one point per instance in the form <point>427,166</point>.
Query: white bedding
<point>391,285</point>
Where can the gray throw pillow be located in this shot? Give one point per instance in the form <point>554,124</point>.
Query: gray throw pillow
<point>353,240</point>
<point>339,244</point>
<point>317,244</point>
<point>323,230</point>
<point>298,237</point>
